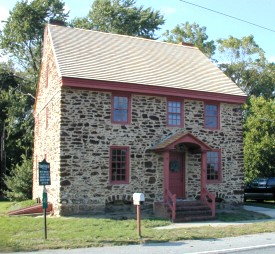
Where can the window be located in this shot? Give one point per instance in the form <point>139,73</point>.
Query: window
<point>121,109</point>
<point>213,166</point>
<point>174,113</point>
<point>119,165</point>
<point>211,116</point>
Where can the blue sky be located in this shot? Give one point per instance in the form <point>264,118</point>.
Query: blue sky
<point>260,12</point>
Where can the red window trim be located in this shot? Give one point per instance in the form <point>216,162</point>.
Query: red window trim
<point>129,108</point>
<point>218,116</point>
<point>173,99</point>
<point>127,165</point>
<point>219,180</point>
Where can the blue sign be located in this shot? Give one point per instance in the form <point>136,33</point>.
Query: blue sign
<point>44,173</point>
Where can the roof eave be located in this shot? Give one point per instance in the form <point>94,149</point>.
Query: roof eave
<point>151,90</point>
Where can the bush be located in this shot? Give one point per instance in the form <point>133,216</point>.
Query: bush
<point>19,182</point>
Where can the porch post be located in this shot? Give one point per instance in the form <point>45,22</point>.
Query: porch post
<point>165,173</point>
<point>203,169</point>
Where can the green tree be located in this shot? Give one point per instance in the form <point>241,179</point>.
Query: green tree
<point>259,138</point>
<point>263,81</point>
<point>16,121</point>
<point>121,17</point>
<point>22,35</point>
<point>19,183</point>
<point>191,33</point>
<point>21,40</point>
<point>244,62</point>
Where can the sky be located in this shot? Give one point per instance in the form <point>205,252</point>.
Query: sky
<point>259,12</point>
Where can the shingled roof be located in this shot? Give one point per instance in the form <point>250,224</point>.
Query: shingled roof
<point>94,55</point>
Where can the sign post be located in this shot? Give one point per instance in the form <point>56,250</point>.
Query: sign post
<point>45,206</point>
<point>138,221</point>
<point>138,199</point>
<point>44,179</point>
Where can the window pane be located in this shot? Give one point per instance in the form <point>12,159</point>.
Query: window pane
<point>213,165</point>
<point>120,109</point>
<point>174,113</point>
<point>211,116</point>
<point>211,122</point>
<point>119,164</point>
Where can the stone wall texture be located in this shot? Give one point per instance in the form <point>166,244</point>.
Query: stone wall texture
<point>74,132</point>
<point>47,127</point>
<point>79,150</point>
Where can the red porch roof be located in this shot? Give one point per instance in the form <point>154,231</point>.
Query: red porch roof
<point>179,138</point>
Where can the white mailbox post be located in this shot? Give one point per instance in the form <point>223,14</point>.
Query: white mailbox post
<point>138,199</point>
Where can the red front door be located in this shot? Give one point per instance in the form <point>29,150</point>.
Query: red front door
<point>176,174</point>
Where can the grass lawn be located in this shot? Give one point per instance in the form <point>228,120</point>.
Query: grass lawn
<point>24,233</point>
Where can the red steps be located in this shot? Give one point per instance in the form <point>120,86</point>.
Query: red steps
<point>35,209</point>
<point>186,211</point>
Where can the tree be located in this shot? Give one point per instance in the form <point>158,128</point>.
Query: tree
<point>121,17</point>
<point>19,183</point>
<point>245,63</point>
<point>259,138</point>
<point>21,40</point>
<point>22,35</point>
<point>16,121</point>
<point>191,33</point>
<point>263,81</point>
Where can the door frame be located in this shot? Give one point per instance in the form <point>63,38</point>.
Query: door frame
<point>181,182</point>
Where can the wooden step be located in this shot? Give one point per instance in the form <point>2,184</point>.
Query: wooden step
<point>186,211</point>
<point>195,210</point>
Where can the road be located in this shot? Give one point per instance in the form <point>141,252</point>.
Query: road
<point>252,244</point>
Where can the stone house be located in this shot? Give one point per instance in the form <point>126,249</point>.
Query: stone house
<point>116,114</point>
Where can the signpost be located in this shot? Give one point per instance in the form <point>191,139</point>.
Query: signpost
<point>138,199</point>
<point>44,179</point>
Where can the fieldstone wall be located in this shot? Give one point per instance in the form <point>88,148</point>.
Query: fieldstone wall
<point>47,126</point>
<point>87,134</point>
<point>229,139</point>
<point>73,131</point>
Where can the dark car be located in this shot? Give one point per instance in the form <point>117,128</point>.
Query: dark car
<point>260,189</point>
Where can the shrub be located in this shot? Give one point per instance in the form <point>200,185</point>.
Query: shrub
<point>19,182</point>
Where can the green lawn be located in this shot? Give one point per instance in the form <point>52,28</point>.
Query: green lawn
<point>24,233</point>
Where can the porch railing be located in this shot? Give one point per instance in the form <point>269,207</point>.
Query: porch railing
<point>171,201</point>
<point>209,199</point>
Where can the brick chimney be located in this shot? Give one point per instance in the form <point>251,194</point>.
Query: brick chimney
<point>186,44</point>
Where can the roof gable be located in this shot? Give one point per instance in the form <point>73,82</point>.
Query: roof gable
<point>172,141</point>
<point>93,55</point>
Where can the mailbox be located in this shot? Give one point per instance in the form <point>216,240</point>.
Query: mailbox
<point>138,198</point>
